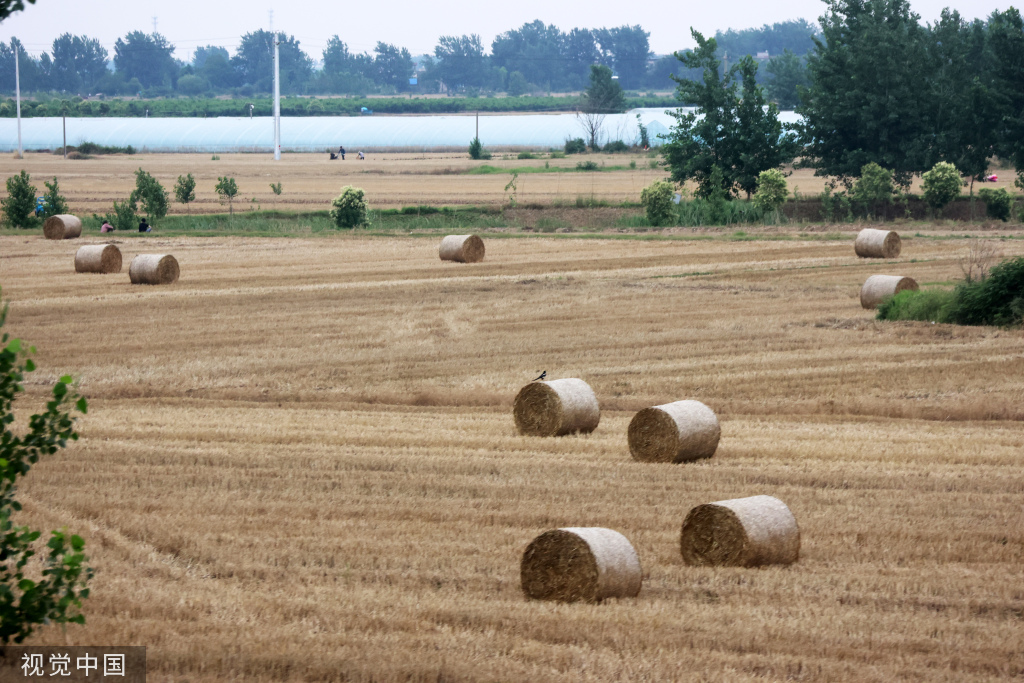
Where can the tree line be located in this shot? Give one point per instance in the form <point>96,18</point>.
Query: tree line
<point>532,59</point>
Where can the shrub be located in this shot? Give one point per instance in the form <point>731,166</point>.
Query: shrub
<point>349,208</point>
<point>150,194</point>
<point>227,187</point>
<point>835,207</point>
<point>477,151</point>
<point>575,146</point>
<point>558,155</point>
<point>925,304</point>
<point>525,155</point>
<point>771,190</point>
<point>124,216</point>
<point>55,594</point>
<point>874,187</point>
<point>20,202</point>
<point>54,203</point>
<point>616,146</point>
<point>997,203</point>
<point>587,166</point>
<point>996,300</point>
<point>656,199</point>
<point>941,185</point>
<point>185,190</point>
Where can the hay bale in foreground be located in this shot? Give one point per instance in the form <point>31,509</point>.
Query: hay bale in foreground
<point>580,564</point>
<point>873,243</point>
<point>98,258</point>
<point>556,407</point>
<point>462,248</point>
<point>743,532</point>
<point>878,287</point>
<point>153,269</point>
<point>674,432</point>
<point>62,227</point>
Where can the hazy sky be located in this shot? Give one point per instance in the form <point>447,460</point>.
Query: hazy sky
<point>407,23</point>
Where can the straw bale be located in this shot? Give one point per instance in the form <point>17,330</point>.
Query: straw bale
<point>153,269</point>
<point>743,532</point>
<point>556,407</point>
<point>878,287</point>
<point>674,432</point>
<point>580,564</point>
<point>873,243</point>
<point>98,258</point>
<point>62,227</point>
<point>462,248</point>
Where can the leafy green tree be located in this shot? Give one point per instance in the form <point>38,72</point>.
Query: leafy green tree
<point>202,54</point>
<point>54,203</point>
<point>348,210</point>
<point>796,36</point>
<point>627,49</point>
<point>874,187</point>
<point>1006,36</point>
<point>731,128</point>
<point>789,74</point>
<point>9,7</point>
<point>998,203</point>
<point>56,596</point>
<point>124,216</point>
<point>579,53</point>
<point>477,151</point>
<point>185,191</point>
<point>227,187</point>
<point>254,62</point>
<point>771,191</point>
<point>78,63</point>
<point>517,84</point>
<point>460,61</point>
<point>150,194</point>
<point>603,95</point>
<point>941,185</point>
<point>534,50</point>
<point>147,57</point>
<point>656,199</point>
<point>393,66</point>
<point>33,73</point>
<point>20,202</point>
<point>868,100</point>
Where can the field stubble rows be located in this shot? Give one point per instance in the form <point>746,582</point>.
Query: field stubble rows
<point>300,461</point>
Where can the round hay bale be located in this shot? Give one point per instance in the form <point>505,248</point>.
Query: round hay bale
<point>674,432</point>
<point>62,227</point>
<point>878,287</point>
<point>462,248</point>
<point>556,407</point>
<point>744,532</point>
<point>580,564</point>
<point>873,243</point>
<point>98,258</point>
<point>153,269</point>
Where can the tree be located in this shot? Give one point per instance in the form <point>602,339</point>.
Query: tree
<point>796,36</point>
<point>54,203</point>
<point>9,7</point>
<point>868,96</point>
<point>602,97</point>
<point>477,151</point>
<point>147,57</point>
<point>941,185</point>
<point>348,210</point>
<point>78,63</point>
<point>56,596</point>
<point>789,74</point>
<point>254,62</point>
<point>579,50</point>
<point>460,62</point>
<point>20,202</point>
<point>732,134</point>
<point>626,49</point>
<point>33,75</point>
<point>185,191</point>
<point>771,191</point>
<point>874,187</point>
<point>150,194</point>
<point>534,50</point>
<point>227,187</point>
<point>202,54</point>
<point>1006,35</point>
<point>656,199</point>
<point>517,84</point>
<point>393,66</point>
<point>124,216</point>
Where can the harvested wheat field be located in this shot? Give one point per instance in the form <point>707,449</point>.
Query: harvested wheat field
<point>300,461</point>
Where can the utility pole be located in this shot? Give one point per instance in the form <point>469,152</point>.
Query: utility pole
<point>17,95</point>
<point>277,99</point>
<point>64,123</point>
<point>478,125</point>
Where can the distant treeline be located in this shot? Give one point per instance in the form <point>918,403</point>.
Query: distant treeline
<point>534,59</point>
<point>302,106</point>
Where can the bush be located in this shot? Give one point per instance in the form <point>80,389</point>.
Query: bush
<point>874,187</point>
<point>124,216</point>
<point>835,207</point>
<point>54,203</point>
<point>349,208</point>
<point>55,594</point>
<point>525,155</point>
<point>587,166</point>
<point>925,304</point>
<point>941,185</point>
<point>997,203</point>
<point>616,146</point>
<point>575,146</point>
<point>558,155</point>
<point>477,151</point>
<point>227,187</point>
<point>656,199</point>
<point>996,300</point>
<point>150,194</point>
<point>771,190</point>
<point>20,202</point>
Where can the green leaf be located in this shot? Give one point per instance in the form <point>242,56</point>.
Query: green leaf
<point>82,405</point>
<point>66,379</point>
<point>77,543</point>
<point>29,365</point>
<point>14,346</point>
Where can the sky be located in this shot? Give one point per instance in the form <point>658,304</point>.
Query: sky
<point>413,24</point>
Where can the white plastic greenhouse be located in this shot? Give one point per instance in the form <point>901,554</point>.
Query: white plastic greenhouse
<point>319,133</point>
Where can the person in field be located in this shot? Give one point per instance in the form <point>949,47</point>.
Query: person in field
<point>341,151</point>
<point>106,227</point>
<point>144,226</point>
<point>361,156</point>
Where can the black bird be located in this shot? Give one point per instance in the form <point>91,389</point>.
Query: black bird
<point>542,376</point>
